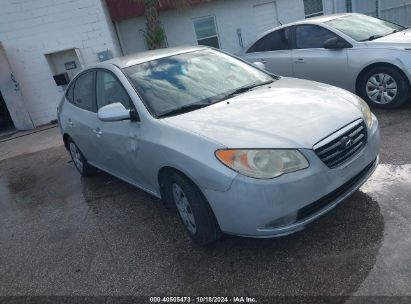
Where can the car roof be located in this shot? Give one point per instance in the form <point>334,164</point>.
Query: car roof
<point>323,18</point>
<point>141,57</point>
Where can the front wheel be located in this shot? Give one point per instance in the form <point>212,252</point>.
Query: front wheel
<point>193,209</point>
<point>384,87</point>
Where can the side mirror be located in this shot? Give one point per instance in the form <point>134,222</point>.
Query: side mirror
<point>334,43</point>
<point>113,112</point>
<point>259,65</point>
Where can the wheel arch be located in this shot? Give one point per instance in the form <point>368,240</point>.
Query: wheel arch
<point>166,171</point>
<point>168,201</point>
<point>163,173</point>
<point>374,65</point>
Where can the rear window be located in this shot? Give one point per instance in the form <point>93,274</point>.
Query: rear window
<point>70,93</point>
<point>83,91</point>
<point>274,41</point>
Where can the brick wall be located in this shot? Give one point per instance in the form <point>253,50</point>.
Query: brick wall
<point>29,29</point>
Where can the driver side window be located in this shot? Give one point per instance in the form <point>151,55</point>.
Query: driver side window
<point>312,36</point>
<point>109,90</point>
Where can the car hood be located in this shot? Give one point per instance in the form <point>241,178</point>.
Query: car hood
<point>396,39</point>
<point>289,113</point>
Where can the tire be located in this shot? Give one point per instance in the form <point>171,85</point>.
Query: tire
<point>384,87</point>
<point>192,207</point>
<point>79,161</point>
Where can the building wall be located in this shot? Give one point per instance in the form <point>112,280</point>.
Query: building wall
<point>30,29</point>
<point>229,14</point>
<point>398,11</point>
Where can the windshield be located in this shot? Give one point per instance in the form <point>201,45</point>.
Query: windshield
<point>363,28</point>
<point>188,79</point>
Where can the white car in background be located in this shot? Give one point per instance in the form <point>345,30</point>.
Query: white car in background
<point>365,55</point>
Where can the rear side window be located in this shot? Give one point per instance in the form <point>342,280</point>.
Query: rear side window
<point>70,93</point>
<point>273,41</point>
<point>83,91</point>
<point>312,36</point>
<point>110,90</point>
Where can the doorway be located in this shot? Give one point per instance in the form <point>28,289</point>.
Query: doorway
<point>12,106</point>
<point>265,16</point>
<point>6,123</point>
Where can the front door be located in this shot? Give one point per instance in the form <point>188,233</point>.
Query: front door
<point>119,140</point>
<point>312,61</point>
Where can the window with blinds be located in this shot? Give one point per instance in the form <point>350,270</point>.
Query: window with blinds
<point>313,8</point>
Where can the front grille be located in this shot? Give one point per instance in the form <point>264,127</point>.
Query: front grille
<point>312,208</point>
<point>344,147</point>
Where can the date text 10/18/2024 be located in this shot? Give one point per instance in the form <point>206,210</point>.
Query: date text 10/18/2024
<point>240,299</point>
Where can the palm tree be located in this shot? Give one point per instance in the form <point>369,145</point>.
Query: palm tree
<point>155,34</point>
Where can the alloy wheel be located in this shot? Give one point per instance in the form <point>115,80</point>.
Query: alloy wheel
<point>381,88</point>
<point>76,156</point>
<point>184,208</point>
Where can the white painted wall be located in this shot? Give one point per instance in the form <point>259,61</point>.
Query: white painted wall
<point>31,28</point>
<point>398,11</point>
<point>229,14</point>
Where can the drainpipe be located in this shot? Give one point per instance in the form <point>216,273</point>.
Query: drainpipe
<point>378,4</point>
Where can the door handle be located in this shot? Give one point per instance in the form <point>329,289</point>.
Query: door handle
<point>70,122</point>
<point>97,132</point>
<point>299,60</point>
<point>263,61</point>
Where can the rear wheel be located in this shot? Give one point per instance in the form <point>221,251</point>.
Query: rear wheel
<point>80,162</point>
<point>384,87</point>
<point>193,209</point>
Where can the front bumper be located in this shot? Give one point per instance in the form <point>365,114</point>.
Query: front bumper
<point>284,205</point>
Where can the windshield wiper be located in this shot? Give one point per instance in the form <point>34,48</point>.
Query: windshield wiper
<point>244,89</point>
<point>184,109</point>
<point>373,37</point>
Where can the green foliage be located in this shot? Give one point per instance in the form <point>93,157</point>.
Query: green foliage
<point>155,34</point>
<point>155,38</point>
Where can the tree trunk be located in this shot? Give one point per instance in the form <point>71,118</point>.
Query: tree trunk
<point>155,36</point>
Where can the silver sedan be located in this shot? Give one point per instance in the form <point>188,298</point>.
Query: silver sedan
<point>365,55</point>
<point>233,148</point>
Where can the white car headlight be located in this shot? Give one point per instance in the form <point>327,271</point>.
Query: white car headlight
<point>263,163</point>
<point>366,112</point>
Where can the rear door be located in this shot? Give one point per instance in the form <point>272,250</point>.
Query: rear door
<point>79,116</point>
<point>312,61</point>
<point>274,51</point>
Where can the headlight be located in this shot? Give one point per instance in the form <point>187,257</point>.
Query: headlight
<point>366,112</point>
<point>263,163</point>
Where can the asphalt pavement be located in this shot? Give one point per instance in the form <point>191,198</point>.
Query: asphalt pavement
<point>61,234</point>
